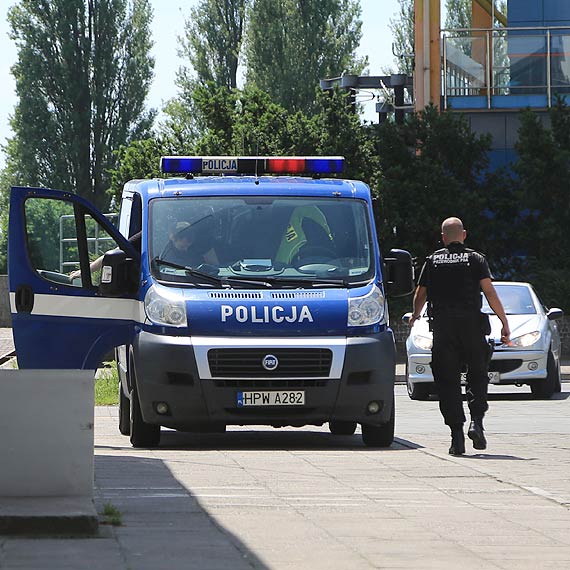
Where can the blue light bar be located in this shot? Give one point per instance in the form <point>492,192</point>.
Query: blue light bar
<point>180,164</point>
<point>253,165</point>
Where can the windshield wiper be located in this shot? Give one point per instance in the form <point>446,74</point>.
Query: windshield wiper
<point>191,271</point>
<point>220,281</point>
<point>262,281</point>
<point>309,282</point>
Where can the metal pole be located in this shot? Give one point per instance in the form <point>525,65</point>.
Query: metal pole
<point>488,71</point>
<point>548,70</point>
<point>444,71</point>
<point>61,244</point>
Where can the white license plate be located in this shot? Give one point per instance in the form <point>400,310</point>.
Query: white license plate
<point>271,398</point>
<point>494,377</point>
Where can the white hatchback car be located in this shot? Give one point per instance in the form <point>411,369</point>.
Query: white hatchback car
<point>532,357</point>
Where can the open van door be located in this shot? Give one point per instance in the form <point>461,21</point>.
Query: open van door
<point>62,320</point>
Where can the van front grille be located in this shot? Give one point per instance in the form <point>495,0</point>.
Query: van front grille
<point>292,362</point>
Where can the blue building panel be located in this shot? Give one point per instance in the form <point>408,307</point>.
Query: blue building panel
<point>536,13</point>
<point>525,12</point>
<point>556,10</point>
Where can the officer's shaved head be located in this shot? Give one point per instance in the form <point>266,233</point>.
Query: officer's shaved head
<point>452,230</point>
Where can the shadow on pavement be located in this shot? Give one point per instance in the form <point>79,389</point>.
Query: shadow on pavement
<point>513,396</point>
<point>527,396</point>
<point>163,523</point>
<point>498,457</point>
<point>273,440</point>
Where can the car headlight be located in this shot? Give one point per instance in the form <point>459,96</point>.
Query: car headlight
<point>525,340</point>
<point>423,342</point>
<point>165,307</point>
<point>367,310</point>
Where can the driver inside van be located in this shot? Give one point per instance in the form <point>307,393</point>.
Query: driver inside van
<point>190,245</point>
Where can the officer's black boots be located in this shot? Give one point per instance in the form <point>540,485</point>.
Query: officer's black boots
<point>476,433</point>
<point>457,441</point>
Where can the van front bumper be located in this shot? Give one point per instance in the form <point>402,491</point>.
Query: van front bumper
<point>175,371</point>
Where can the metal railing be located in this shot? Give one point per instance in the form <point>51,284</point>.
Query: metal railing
<point>480,62</point>
<point>95,240</point>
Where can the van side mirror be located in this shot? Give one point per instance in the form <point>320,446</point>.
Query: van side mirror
<point>119,274</point>
<point>399,273</point>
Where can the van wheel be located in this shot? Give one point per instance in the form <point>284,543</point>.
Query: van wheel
<point>142,434</point>
<point>547,387</point>
<point>342,427</point>
<point>382,435</point>
<point>124,412</point>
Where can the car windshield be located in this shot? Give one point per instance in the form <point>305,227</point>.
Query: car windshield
<point>516,300</point>
<point>269,241</point>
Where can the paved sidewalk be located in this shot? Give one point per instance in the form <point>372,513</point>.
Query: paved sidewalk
<point>301,499</point>
<point>6,342</point>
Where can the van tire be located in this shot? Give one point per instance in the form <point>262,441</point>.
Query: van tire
<point>382,435</point>
<point>342,427</point>
<point>142,434</point>
<point>124,412</point>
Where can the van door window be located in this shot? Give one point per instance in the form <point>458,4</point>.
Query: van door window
<point>58,235</point>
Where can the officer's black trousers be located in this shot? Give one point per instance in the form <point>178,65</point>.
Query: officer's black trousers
<point>459,340</point>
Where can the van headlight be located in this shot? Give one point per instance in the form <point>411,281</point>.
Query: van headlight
<point>367,310</point>
<point>165,307</point>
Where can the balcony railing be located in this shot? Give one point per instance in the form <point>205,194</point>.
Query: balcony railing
<point>505,67</point>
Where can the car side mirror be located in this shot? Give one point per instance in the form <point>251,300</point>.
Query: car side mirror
<point>119,274</point>
<point>554,314</point>
<point>399,273</point>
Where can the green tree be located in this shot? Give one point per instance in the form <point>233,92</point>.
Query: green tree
<point>248,122</point>
<point>212,42</point>
<point>82,76</point>
<point>432,167</point>
<point>293,43</point>
<point>543,210</point>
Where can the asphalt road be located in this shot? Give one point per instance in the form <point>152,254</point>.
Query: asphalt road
<point>302,498</point>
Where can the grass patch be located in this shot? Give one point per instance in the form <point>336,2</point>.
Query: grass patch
<point>107,385</point>
<point>112,515</point>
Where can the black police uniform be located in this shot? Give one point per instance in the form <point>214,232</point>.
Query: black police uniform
<point>451,276</point>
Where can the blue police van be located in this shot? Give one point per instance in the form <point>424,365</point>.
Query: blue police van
<point>235,291</point>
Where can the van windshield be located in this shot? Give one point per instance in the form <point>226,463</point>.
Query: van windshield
<point>273,241</point>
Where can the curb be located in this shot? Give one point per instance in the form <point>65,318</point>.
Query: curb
<point>48,516</point>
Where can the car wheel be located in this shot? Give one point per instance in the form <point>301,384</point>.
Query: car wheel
<point>142,434</point>
<point>342,427</point>
<point>547,387</point>
<point>382,435</point>
<point>124,412</point>
<point>418,391</point>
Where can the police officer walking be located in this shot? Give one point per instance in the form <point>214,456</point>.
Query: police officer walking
<point>451,280</point>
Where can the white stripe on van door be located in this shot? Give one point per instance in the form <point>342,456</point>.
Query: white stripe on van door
<point>85,307</point>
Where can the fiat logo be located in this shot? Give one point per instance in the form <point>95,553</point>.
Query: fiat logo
<point>270,362</point>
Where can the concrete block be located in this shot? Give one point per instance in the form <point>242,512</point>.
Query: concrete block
<point>46,422</point>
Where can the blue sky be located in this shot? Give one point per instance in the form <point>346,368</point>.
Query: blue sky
<point>168,24</point>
